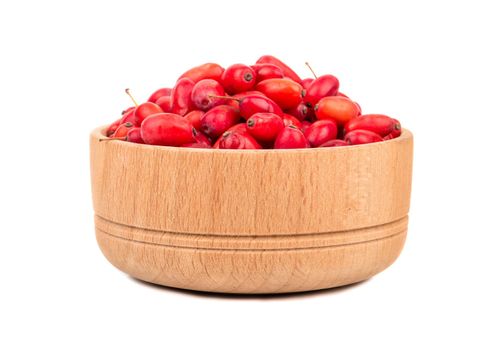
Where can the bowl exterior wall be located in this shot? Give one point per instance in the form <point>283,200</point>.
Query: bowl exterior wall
<point>267,221</point>
<point>230,192</point>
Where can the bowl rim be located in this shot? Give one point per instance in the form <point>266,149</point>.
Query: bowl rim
<point>98,135</point>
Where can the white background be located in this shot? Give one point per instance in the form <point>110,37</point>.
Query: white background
<point>64,66</point>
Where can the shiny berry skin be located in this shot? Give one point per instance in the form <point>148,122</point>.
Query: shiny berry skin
<point>291,137</point>
<point>127,110</point>
<point>285,92</point>
<point>134,135</point>
<point>144,110</point>
<point>305,126</point>
<point>122,131</point>
<point>359,137</point>
<point>395,133</point>
<point>267,71</point>
<point>325,85</point>
<point>252,104</point>
<point>194,117</point>
<point>377,123</point>
<point>238,78</point>
<point>264,127</point>
<point>338,108</point>
<point>235,140</point>
<point>356,103</point>
<point>334,143</point>
<point>238,97</point>
<point>218,120</point>
<point>202,138</point>
<point>167,129</point>
<point>129,117</point>
<point>300,112</point>
<point>291,120</point>
<point>205,71</point>
<point>158,94</point>
<point>202,91</point>
<point>240,128</point>
<point>181,97</point>
<point>307,82</point>
<point>287,71</point>
<point>321,131</point>
<point>165,103</point>
<point>112,128</point>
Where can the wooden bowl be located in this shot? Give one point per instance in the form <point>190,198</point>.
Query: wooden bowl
<point>242,221</point>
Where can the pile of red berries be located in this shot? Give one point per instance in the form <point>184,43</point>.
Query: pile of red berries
<point>265,105</point>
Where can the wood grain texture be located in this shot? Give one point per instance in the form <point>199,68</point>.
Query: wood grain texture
<point>267,221</point>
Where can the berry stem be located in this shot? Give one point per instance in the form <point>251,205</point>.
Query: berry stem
<point>128,92</point>
<point>308,65</point>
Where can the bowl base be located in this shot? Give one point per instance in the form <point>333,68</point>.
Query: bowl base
<point>251,264</point>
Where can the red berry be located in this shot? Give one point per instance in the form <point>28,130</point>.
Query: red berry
<point>358,137</point>
<point>285,92</point>
<point>134,135</point>
<point>325,85</point>
<point>202,138</point>
<point>122,131</point>
<point>267,71</point>
<point>377,123</point>
<point>167,129</point>
<point>205,71</point>
<point>238,78</point>
<point>334,143</point>
<point>235,100</point>
<point>395,133</point>
<point>127,110</point>
<point>165,103</point>
<point>356,103</point>
<point>287,71</point>
<point>305,125</point>
<point>240,128</point>
<point>300,112</point>
<point>252,104</point>
<point>338,108</point>
<point>321,131</point>
<point>181,96</point>
<point>158,94</point>
<point>218,119</point>
<point>307,82</point>
<point>129,117</point>
<point>291,120</point>
<point>291,137</point>
<point>265,127</point>
<point>112,128</point>
<point>144,110</point>
<point>194,117</point>
<point>202,91</point>
<point>235,140</point>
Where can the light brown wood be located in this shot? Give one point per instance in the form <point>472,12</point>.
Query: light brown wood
<point>242,221</point>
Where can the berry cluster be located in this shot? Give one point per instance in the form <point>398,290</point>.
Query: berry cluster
<point>266,105</point>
